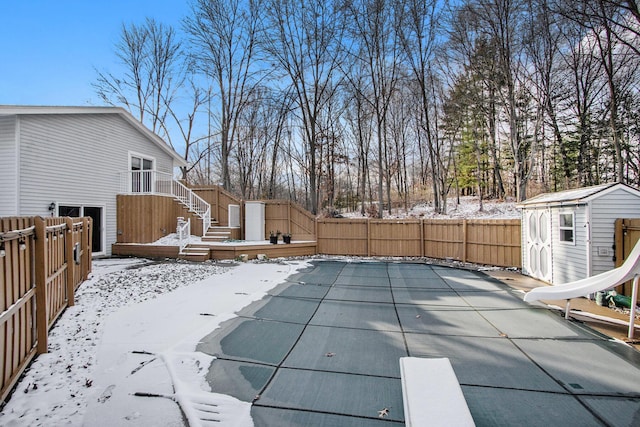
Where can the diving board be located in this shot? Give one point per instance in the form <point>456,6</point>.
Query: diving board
<point>629,270</point>
<point>431,394</point>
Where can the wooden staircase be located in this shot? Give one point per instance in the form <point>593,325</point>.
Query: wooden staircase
<point>195,252</point>
<point>201,251</point>
<point>216,233</point>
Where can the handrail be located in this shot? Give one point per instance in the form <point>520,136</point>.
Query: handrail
<point>194,202</point>
<point>161,183</point>
<point>145,182</point>
<point>183,230</point>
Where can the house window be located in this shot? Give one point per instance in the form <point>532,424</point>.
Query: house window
<point>567,227</point>
<point>141,174</point>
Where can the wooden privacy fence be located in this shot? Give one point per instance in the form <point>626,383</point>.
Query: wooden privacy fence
<point>288,217</point>
<point>627,234</point>
<point>219,199</point>
<point>42,262</point>
<point>491,242</point>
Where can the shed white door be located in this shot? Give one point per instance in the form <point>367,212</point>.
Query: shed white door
<point>539,244</point>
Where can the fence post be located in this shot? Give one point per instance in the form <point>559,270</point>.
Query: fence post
<point>368,237</point>
<point>41,263</point>
<point>85,246</point>
<point>218,204</point>
<point>422,238</point>
<point>69,260</point>
<point>464,240</point>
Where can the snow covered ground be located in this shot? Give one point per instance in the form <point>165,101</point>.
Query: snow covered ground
<point>467,208</point>
<point>134,329</point>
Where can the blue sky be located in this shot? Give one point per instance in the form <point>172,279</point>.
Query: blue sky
<point>51,48</point>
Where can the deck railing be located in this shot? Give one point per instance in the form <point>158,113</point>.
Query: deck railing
<point>184,232</point>
<point>161,183</point>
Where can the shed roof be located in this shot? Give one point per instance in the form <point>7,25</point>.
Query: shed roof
<point>576,196</point>
<point>50,110</point>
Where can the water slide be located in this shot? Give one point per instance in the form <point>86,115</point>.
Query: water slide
<point>629,270</point>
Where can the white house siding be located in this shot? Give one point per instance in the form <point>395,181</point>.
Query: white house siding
<point>569,260</point>
<point>8,166</point>
<point>74,159</point>
<point>604,211</point>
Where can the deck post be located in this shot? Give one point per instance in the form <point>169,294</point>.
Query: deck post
<point>567,310</point>
<point>634,301</point>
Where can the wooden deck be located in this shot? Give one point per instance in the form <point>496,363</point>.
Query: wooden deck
<point>231,250</point>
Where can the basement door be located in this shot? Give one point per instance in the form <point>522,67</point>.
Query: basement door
<point>96,214</point>
<point>538,248</point>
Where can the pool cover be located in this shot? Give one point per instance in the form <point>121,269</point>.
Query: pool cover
<point>323,349</point>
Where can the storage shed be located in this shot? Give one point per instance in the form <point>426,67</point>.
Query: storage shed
<point>569,235</point>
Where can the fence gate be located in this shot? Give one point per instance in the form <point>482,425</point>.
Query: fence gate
<point>627,233</point>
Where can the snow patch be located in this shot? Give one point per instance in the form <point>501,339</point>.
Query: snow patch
<point>134,329</point>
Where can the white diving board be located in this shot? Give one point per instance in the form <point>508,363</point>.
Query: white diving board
<point>431,394</point>
<point>629,270</point>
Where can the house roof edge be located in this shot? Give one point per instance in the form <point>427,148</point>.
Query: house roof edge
<point>56,109</point>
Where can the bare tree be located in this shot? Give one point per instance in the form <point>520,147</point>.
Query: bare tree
<point>614,28</point>
<point>358,116</point>
<point>152,62</point>
<point>157,86</point>
<point>223,34</point>
<point>303,41</point>
<point>376,47</point>
<point>501,22</point>
<point>184,114</point>
<point>417,30</point>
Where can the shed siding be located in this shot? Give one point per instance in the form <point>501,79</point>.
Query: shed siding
<point>523,239</point>
<point>604,211</point>
<point>569,260</point>
<point>76,159</point>
<point>8,166</point>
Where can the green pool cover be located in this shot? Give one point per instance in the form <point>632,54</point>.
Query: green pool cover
<point>322,349</point>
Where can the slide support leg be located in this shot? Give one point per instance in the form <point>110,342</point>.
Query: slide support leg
<point>634,301</point>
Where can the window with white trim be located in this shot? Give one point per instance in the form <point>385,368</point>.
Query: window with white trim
<point>141,174</point>
<point>567,227</point>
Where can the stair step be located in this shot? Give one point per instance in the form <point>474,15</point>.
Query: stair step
<point>194,257</point>
<point>195,251</point>
<point>214,238</point>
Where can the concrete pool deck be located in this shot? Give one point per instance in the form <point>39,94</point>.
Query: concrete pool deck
<point>322,349</point>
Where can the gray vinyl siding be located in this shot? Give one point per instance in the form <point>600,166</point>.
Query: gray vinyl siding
<point>569,260</point>
<point>604,211</point>
<point>8,167</point>
<point>76,159</point>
